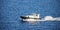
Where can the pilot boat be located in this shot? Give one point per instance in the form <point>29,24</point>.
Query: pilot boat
<point>32,17</point>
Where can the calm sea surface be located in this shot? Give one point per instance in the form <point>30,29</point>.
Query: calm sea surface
<point>11,10</point>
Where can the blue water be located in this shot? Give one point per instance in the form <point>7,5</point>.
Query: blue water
<point>11,10</point>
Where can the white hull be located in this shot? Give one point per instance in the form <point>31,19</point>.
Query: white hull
<point>38,20</point>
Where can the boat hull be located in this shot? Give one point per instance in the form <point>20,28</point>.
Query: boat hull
<point>23,17</point>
